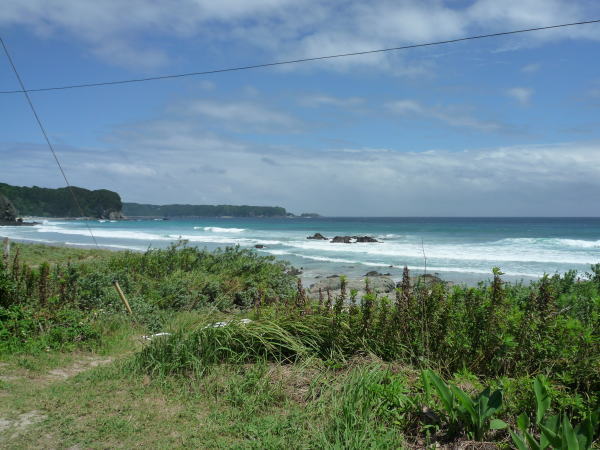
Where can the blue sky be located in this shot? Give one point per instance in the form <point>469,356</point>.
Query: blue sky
<point>501,126</point>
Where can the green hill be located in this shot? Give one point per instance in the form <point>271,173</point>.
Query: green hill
<point>102,203</point>
<point>46,202</point>
<point>141,210</point>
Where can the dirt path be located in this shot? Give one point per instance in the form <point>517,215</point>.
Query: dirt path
<point>77,367</point>
<point>11,427</point>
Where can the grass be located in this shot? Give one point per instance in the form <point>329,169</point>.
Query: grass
<point>36,254</point>
<point>433,366</point>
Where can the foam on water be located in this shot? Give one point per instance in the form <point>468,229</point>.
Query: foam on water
<point>221,230</point>
<point>117,246</point>
<point>103,233</point>
<point>521,250</point>
<point>468,252</point>
<point>550,242</point>
<point>411,267</point>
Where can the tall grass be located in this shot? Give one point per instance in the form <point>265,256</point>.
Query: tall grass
<point>196,351</point>
<point>492,330</point>
<point>35,299</point>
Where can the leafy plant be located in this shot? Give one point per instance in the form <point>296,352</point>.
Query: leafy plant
<point>554,431</point>
<point>397,404</point>
<point>474,414</point>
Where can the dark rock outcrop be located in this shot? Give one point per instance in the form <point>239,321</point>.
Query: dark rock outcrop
<point>112,215</point>
<point>426,279</point>
<point>352,239</point>
<point>342,240</point>
<point>373,273</point>
<point>317,236</point>
<point>365,239</point>
<point>379,284</point>
<point>8,213</point>
<point>294,271</point>
<point>259,246</point>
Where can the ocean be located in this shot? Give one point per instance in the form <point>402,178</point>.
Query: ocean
<point>457,249</point>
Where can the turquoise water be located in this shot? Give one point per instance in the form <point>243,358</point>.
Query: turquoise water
<point>462,249</point>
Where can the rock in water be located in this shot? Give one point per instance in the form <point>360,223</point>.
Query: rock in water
<point>8,213</point>
<point>317,236</point>
<point>373,273</point>
<point>341,240</point>
<point>115,215</point>
<point>352,239</point>
<point>294,271</point>
<point>365,239</point>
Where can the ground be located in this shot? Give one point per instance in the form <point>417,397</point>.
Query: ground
<point>83,400</point>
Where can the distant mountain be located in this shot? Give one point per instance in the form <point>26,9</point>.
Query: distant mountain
<point>45,202</point>
<point>141,210</point>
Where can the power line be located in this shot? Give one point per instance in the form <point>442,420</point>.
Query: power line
<point>43,130</point>
<point>295,61</point>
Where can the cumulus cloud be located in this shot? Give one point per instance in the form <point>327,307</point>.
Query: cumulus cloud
<point>114,30</point>
<point>449,115</point>
<point>521,94</point>
<point>193,167</point>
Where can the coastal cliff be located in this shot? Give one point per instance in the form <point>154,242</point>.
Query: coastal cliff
<point>46,202</point>
<point>8,213</point>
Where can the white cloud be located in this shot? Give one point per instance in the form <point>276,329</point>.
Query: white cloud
<point>122,169</point>
<point>531,68</point>
<point>450,115</point>
<point>237,115</point>
<point>521,94</point>
<point>115,30</point>
<point>317,100</point>
<point>188,165</point>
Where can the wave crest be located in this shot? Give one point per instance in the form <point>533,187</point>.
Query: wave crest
<point>221,230</point>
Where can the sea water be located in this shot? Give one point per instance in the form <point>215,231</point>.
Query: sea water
<point>458,249</point>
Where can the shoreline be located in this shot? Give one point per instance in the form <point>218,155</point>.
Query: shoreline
<point>309,277</point>
<point>462,253</point>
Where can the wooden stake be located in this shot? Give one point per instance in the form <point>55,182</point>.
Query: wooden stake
<point>120,292</point>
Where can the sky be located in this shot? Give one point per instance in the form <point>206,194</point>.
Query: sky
<point>505,126</point>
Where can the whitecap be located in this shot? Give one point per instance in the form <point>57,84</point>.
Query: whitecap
<point>221,230</point>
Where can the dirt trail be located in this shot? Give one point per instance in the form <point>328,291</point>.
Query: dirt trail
<point>83,364</point>
<point>21,422</point>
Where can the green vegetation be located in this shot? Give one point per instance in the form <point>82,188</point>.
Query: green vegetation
<point>252,362</point>
<point>141,210</point>
<point>36,254</point>
<point>102,203</point>
<point>45,202</point>
<point>554,431</point>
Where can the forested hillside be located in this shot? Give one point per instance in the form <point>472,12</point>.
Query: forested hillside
<point>45,202</point>
<point>141,210</point>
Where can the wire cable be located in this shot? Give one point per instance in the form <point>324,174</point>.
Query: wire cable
<point>295,61</point>
<point>43,130</point>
